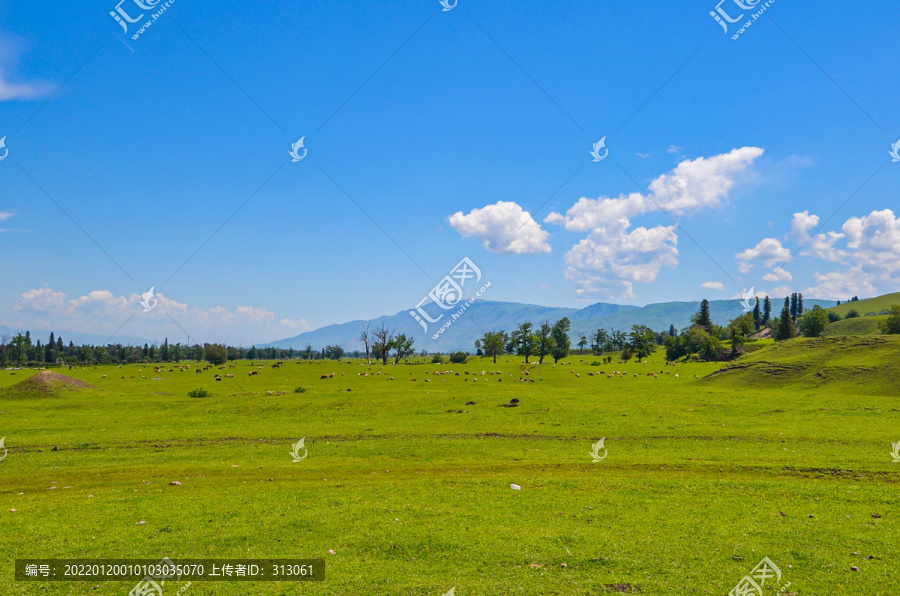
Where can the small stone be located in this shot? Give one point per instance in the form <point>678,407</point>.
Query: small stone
<point>854,568</point>
<point>330,551</point>
<point>876,516</point>
<point>174,483</point>
<point>564,566</point>
<point>515,487</point>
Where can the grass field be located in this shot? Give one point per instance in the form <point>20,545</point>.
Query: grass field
<point>875,305</point>
<point>856,326</point>
<point>410,487</point>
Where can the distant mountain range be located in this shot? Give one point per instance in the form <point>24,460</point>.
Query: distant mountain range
<point>490,316</point>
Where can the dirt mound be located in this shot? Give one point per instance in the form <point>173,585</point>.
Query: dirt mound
<point>50,382</point>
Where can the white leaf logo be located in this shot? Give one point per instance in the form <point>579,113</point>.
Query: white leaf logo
<point>748,296</point>
<point>447,6</point>
<point>2,146</point>
<point>601,144</point>
<point>295,149</point>
<point>3,448</point>
<point>895,453</point>
<point>894,152</point>
<point>596,451</point>
<point>149,302</point>
<point>295,453</point>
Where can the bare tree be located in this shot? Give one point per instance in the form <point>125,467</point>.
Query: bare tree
<point>366,337</point>
<point>384,339</point>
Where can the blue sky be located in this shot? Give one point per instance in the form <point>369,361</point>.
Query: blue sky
<point>449,129</point>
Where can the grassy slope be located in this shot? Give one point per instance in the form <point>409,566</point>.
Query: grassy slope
<point>864,365</point>
<point>870,305</point>
<point>856,326</point>
<point>416,500</point>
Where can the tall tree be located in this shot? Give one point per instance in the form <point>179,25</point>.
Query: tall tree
<point>494,343</point>
<point>544,341</point>
<point>582,342</point>
<point>366,337</point>
<point>813,323</point>
<point>673,332</point>
<point>703,317</point>
<point>794,306</point>
<point>384,339</point>
<point>757,315</point>
<point>560,334</point>
<point>403,347</point>
<point>524,340</point>
<point>642,341</point>
<point>800,304</point>
<point>785,328</point>
<point>767,312</point>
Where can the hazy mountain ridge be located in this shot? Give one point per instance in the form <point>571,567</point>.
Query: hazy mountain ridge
<point>489,316</point>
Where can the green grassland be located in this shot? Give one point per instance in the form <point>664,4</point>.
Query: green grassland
<point>856,326</point>
<point>410,487</point>
<point>875,305</point>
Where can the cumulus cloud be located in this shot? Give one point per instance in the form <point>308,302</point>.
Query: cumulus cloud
<point>769,251</point>
<point>713,285</point>
<point>692,185</point>
<point>101,311</point>
<point>870,256</point>
<point>503,228</point>
<point>779,274</point>
<point>612,258</point>
<point>801,225</point>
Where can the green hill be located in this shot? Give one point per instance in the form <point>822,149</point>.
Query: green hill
<point>857,364</point>
<point>856,326</point>
<point>877,304</point>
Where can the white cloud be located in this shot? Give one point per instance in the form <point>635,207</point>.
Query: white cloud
<point>713,285</point>
<point>612,260</point>
<point>10,49</point>
<point>691,185</point>
<point>769,251</point>
<point>9,91</point>
<point>101,311</point>
<point>801,225</point>
<point>822,247</point>
<point>778,274</point>
<point>503,228</point>
<point>675,149</point>
<point>4,215</point>
<point>871,257</point>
